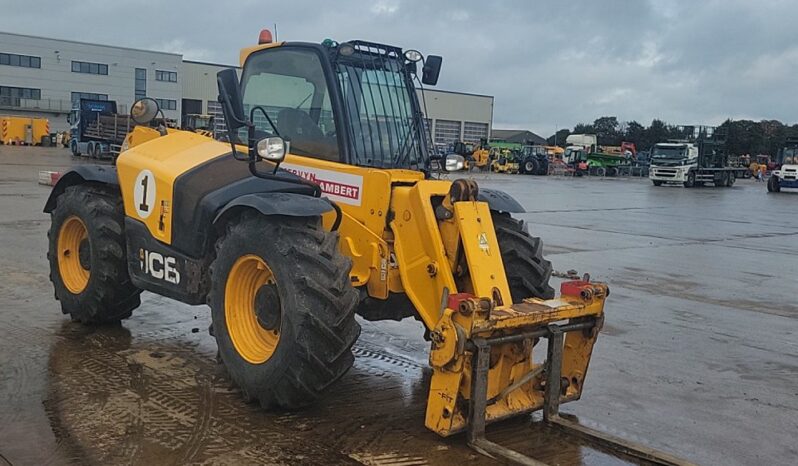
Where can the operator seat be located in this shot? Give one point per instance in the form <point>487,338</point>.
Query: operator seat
<point>305,135</point>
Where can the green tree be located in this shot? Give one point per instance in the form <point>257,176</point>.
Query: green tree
<point>558,138</point>
<point>606,129</point>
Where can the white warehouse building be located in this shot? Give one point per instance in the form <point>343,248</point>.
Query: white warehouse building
<point>42,76</point>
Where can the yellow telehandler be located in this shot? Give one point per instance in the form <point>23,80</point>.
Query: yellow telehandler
<point>320,205</point>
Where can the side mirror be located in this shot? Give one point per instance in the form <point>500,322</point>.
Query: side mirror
<point>231,100</point>
<point>431,70</point>
<point>144,110</point>
<point>273,149</point>
<point>454,162</point>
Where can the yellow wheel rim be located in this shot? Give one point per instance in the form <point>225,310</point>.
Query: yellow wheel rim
<point>251,340</point>
<point>72,233</point>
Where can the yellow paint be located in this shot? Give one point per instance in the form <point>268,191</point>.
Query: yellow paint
<point>253,343</point>
<point>73,232</point>
<point>510,361</point>
<point>247,51</point>
<point>478,237</point>
<point>15,129</point>
<point>423,264</point>
<point>167,157</point>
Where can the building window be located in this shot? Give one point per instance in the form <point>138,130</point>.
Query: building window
<point>447,131</point>
<point>76,96</point>
<point>167,104</point>
<point>168,76</point>
<point>15,93</point>
<point>89,68</point>
<point>473,132</point>
<point>25,61</point>
<point>141,83</point>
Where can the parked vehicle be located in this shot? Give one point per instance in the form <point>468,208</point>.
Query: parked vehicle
<point>583,155</point>
<point>533,160</point>
<point>97,130</point>
<point>787,175</point>
<point>694,163</point>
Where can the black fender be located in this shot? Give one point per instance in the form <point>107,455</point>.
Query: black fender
<point>78,175</point>
<point>289,204</point>
<point>500,201</point>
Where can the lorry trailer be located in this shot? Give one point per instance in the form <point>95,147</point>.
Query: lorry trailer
<point>97,130</point>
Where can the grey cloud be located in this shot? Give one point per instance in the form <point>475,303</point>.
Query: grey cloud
<point>546,62</point>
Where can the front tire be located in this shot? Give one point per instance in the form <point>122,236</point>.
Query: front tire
<point>283,308</point>
<point>773,184</point>
<point>87,255</point>
<point>528,273</point>
<point>690,180</point>
<point>657,182</point>
<point>73,146</point>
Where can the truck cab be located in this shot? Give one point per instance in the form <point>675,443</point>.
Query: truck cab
<point>671,162</point>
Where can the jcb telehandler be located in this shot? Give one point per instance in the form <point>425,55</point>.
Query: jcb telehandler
<point>321,205</point>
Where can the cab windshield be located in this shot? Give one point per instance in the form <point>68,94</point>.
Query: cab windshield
<point>669,152</point>
<point>385,123</point>
<point>790,157</point>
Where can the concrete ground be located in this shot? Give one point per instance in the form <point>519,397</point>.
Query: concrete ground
<point>698,357</point>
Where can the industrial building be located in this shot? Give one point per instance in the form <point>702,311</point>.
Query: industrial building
<point>42,76</point>
<point>457,116</point>
<point>518,136</point>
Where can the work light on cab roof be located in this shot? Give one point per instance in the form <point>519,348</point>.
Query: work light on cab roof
<point>265,37</point>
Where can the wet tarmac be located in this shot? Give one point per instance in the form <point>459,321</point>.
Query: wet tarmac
<point>699,355</point>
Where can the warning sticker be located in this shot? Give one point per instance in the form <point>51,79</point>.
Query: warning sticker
<point>337,186</point>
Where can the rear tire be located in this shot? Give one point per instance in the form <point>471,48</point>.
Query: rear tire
<point>312,309</point>
<point>528,273</point>
<point>87,255</point>
<point>531,167</point>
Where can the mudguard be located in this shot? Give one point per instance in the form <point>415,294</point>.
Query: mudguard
<point>500,201</point>
<point>81,174</point>
<point>289,204</point>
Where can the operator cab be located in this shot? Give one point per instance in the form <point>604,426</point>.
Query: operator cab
<point>352,102</point>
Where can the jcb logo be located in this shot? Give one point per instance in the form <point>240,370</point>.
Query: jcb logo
<point>158,266</point>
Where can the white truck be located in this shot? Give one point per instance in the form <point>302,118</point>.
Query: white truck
<point>691,164</point>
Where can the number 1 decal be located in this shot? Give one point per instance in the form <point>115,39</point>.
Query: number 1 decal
<point>144,193</point>
<point>144,182</point>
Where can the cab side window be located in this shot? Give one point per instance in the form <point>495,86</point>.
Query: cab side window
<point>289,86</point>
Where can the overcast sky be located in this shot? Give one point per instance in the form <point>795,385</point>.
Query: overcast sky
<point>548,63</point>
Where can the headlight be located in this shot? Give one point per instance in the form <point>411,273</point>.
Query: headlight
<point>413,55</point>
<point>454,162</point>
<point>272,149</point>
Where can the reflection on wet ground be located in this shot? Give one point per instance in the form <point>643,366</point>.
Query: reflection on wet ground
<point>698,355</point>
<point>147,395</point>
